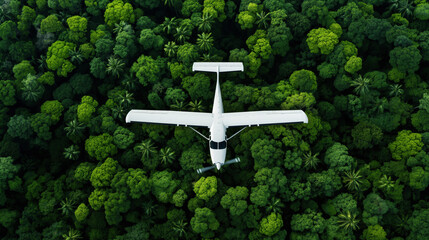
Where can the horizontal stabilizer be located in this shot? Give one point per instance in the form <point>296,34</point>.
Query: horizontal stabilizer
<point>213,66</point>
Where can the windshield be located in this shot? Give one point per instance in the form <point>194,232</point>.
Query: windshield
<point>217,145</point>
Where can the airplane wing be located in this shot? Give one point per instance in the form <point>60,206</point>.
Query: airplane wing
<point>259,118</point>
<point>177,118</point>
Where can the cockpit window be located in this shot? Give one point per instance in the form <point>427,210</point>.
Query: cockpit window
<point>217,145</point>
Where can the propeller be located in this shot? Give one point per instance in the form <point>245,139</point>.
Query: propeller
<point>218,165</point>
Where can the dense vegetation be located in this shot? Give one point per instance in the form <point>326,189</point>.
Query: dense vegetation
<point>71,168</point>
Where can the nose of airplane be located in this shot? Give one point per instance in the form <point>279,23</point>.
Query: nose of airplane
<point>217,165</point>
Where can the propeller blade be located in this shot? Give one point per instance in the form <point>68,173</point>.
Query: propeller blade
<point>201,170</point>
<point>235,160</point>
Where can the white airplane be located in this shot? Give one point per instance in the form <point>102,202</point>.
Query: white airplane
<point>217,121</point>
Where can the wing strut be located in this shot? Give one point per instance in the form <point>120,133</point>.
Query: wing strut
<point>233,135</point>
<point>199,133</point>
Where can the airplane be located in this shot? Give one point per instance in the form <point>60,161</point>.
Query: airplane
<point>217,120</point>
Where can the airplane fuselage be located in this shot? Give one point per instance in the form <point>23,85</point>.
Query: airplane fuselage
<point>217,141</point>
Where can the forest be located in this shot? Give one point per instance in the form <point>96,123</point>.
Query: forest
<point>71,168</point>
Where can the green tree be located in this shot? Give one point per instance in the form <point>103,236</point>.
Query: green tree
<point>205,187</point>
<point>99,195</point>
<point>419,178</point>
<point>101,146</point>
<point>366,135</point>
<point>77,26</point>
<point>26,19</point>
<point>147,71</point>
<point>375,232</point>
<point>7,92</point>
<point>22,70</point>
<point>102,175</point>
<point>405,59</point>
<point>86,109</point>
<point>123,137</point>
<point>310,221</point>
<point>179,198</point>
<point>235,200</point>
<point>163,185</point>
<point>407,144</point>
<point>192,158</point>
<point>204,222</point>
<point>51,24</point>
<point>321,40</point>
<point>58,57</point>
<point>81,212</point>
<point>418,223</point>
<point>7,172</point>
<point>54,109</point>
<point>337,158</point>
<point>116,204</point>
<point>215,8</point>
<point>271,224</point>
<point>8,30</point>
<point>303,80</point>
<point>117,11</point>
<point>422,11</point>
<point>197,86</point>
<point>138,183</point>
<point>149,40</point>
<point>19,126</point>
<point>267,153</point>
<point>187,53</point>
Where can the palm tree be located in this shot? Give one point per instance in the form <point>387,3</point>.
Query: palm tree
<point>119,27</point>
<point>75,56</point>
<point>146,148</point>
<point>352,180</point>
<point>169,24</point>
<point>396,90</point>
<point>179,106</point>
<point>402,6</point>
<point>71,152</point>
<point>72,235</point>
<point>179,227</point>
<point>196,106</point>
<point>207,57</point>
<point>262,19</point>
<point>32,90</point>
<point>310,160</point>
<point>67,207</point>
<point>149,208</point>
<point>172,3</point>
<point>386,183</point>
<point>170,49</point>
<point>275,205</point>
<point>205,41</point>
<point>205,23</point>
<point>361,85</point>
<point>348,221</point>
<point>126,98</point>
<point>119,111</point>
<point>182,34</point>
<point>380,104</point>
<point>129,82</point>
<point>114,66</point>
<point>74,129</point>
<point>166,155</point>
<point>41,61</point>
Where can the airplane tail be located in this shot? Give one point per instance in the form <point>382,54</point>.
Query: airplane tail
<point>213,66</point>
